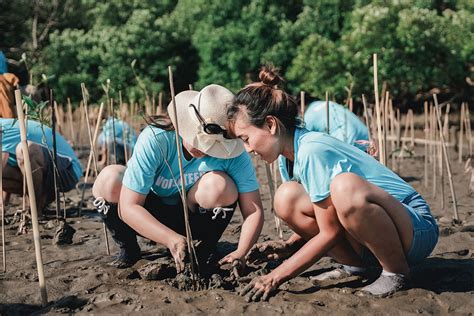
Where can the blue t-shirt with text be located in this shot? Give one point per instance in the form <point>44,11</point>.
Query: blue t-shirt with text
<point>154,166</point>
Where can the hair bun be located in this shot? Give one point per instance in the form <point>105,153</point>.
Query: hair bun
<point>269,76</point>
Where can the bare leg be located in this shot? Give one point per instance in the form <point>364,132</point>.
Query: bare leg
<point>293,205</point>
<point>37,169</point>
<point>109,183</point>
<point>213,189</point>
<point>375,219</point>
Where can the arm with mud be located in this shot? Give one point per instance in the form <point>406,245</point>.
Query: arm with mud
<point>252,213</point>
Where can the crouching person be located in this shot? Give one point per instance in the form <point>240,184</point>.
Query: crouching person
<point>40,148</point>
<point>144,198</point>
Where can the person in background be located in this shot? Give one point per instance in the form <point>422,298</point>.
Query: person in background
<point>125,139</point>
<point>341,201</point>
<point>343,125</point>
<point>144,197</point>
<point>40,148</point>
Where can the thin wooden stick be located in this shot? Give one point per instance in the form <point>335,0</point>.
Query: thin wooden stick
<point>91,155</point>
<point>385,125</point>
<point>32,198</point>
<point>412,128</point>
<point>461,132</point>
<point>190,86</point>
<point>425,179</point>
<point>327,113</point>
<point>366,115</point>
<point>271,186</point>
<point>84,96</point>
<point>446,158</point>
<point>54,113</point>
<point>4,265</point>
<point>467,118</point>
<point>377,110</point>
<point>302,104</point>
<point>434,130</point>
<point>189,238</point>
<point>441,171</point>
<point>113,129</point>
<point>446,122</point>
<point>71,121</point>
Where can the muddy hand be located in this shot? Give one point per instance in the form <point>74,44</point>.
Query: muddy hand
<point>269,250</point>
<point>237,264</point>
<point>260,288</point>
<point>178,251</point>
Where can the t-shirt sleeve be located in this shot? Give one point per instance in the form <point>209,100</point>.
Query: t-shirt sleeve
<point>285,177</point>
<point>242,171</point>
<point>145,161</point>
<point>319,164</point>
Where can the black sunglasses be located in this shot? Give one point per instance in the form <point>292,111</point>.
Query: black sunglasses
<point>210,128</point>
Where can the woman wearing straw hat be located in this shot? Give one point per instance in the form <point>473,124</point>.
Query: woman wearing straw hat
<point>218,173</point>
<point>341,201</point>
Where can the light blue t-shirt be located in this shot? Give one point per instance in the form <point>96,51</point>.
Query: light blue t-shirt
<point>154,166</point>
<point>37,133</point>
<point>320,157</point>
<point>123,132</point>
<point>343,125</point>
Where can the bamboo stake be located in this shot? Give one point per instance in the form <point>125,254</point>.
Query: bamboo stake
<point>71,121</point>
<point>412,128</point>
<point>271,186</point>
<point>467,118</point>
<point>377,110</point>
<point>189,238</point>
<point>392,126</point>
<point>446,122</point>
<point>327,113</point>
<point>351,105</point>
<point>54,113</point>
<point>461,132</point>
<point>32,198</point>
<point>4,257</point>
<point>302,104</point>
<point>385,125</point>
<point>89,133</point>
<point>434,130</point>
<point>81,124</point>
<point>366,115</point>
<point>113,129</point>
<point>441,171</point>
<point>91,155</point>
<point>425,105</point>
<point>160,102</point>
<point>446,158</point>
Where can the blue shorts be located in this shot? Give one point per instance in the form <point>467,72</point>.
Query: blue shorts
<point>425,232</point>
<point>425,229</point>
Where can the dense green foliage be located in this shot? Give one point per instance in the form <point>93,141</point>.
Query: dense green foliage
<point>319,45</point>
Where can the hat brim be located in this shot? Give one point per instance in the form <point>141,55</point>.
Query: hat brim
<point>189,127</point>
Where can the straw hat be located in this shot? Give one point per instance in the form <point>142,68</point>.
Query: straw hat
<point>211,103</point>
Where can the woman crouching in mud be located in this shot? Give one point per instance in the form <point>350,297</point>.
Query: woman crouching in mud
<point>340,202</point>
<point>143,198</point>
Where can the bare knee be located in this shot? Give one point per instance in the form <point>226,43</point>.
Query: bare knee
<point>109,183</point>
<point>349,194</point>
<point>215,189</point>
<point>289,197</point>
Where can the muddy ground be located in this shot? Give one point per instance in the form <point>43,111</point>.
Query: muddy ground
<point>80,281</point>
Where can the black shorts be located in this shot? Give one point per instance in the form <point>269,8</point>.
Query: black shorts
<point>203,226</point>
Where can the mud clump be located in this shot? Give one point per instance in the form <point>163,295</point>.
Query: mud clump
<point>159,269</point>
<point>64,234</point>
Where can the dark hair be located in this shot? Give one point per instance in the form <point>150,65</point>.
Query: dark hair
<point>264,98</point>
<point>162,121</point>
